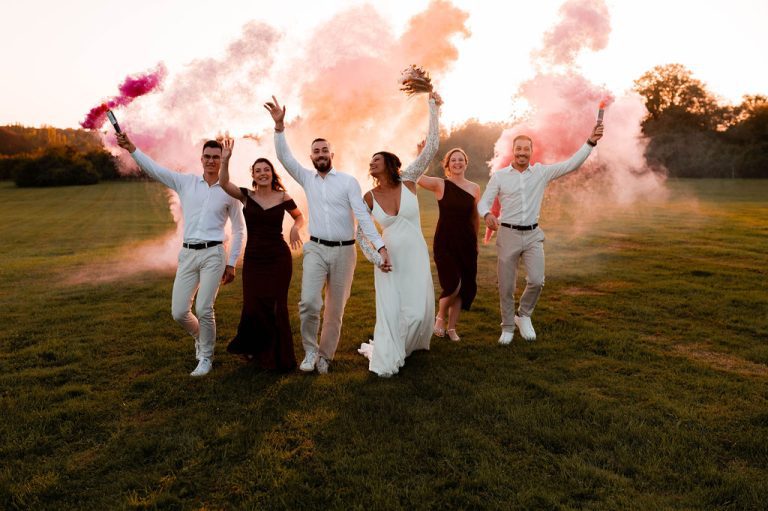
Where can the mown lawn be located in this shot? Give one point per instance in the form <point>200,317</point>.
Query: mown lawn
<point>647,388</point>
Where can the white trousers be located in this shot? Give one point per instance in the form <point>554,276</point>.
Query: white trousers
<point>512,246</point>
<point>332,268</point>
<point>200,272</point>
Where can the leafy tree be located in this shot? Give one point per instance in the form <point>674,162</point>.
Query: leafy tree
<point>676,100</point>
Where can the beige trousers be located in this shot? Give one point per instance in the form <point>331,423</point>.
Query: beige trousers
<point>512,246</point>
<point>332,268</point>
<point>200,272</point>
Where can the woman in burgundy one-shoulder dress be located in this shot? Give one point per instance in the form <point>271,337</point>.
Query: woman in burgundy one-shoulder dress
<point>455,243</point>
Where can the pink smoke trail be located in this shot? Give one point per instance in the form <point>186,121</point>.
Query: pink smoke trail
<point>131,88</point>
<point>563,105</point>
<point>345,88</point>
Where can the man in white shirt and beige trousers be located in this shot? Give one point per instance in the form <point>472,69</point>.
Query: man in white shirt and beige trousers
<point>520,189</point>
<point>203,264</point>
<point>334,201</point>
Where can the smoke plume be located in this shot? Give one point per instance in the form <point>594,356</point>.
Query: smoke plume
<point>343,79</point>
<point>563,106</point>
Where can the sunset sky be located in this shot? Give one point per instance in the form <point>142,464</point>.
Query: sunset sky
<point>61,58</point>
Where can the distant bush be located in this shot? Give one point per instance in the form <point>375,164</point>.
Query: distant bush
<point>56,166</point>
<point>9,166</point>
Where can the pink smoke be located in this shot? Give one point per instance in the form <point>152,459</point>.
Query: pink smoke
<point>563,108</point>
<point>345,86</point>
<point>584,24</point>
<point>131,88</point>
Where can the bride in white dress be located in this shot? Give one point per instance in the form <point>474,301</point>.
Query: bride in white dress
<point>405,296</point>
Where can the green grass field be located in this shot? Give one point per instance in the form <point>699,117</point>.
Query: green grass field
<point>647,388</point>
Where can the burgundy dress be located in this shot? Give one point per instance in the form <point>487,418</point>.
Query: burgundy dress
<point>455,244</point>
<point>265,330</point>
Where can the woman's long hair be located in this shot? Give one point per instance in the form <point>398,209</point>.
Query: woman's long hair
<point>276,184</point>
<point>392,164</point>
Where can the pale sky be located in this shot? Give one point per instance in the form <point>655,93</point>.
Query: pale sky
<point>62,58</point>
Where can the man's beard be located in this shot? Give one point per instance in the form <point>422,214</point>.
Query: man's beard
<point>322,165</point>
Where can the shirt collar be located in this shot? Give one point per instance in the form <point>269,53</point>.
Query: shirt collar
<point>331,172</point>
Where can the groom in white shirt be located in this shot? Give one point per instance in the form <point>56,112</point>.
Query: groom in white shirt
<point>334,200</point>
<point>520,189</point>
<point>203,265</point>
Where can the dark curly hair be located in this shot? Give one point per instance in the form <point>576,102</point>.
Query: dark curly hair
<point>392,164</point>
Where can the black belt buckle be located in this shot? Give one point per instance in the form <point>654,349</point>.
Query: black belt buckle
<point>200,246</point>
<point>520,227</point>
<point>332,243</point>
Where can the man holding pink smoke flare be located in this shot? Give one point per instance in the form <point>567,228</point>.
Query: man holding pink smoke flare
<point>520,189</point>
<point>202,261</point>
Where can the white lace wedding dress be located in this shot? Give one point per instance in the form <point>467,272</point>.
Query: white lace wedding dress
<point>405,297</point>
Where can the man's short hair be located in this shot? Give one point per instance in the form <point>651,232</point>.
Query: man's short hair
<point>320,140</point>
<point>214,144</point>
<point>522,137</point>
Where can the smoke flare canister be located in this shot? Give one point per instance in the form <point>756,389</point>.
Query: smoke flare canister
<point>600,113</point>
<point>113,120</point>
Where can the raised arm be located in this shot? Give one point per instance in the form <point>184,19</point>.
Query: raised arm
<point>283,152</point>
<point>413,171</point>
<point>224,182</point>
<point>168,177</point>
<point>562,168</point>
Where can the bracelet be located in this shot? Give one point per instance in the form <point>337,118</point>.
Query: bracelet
<point>593,144</point>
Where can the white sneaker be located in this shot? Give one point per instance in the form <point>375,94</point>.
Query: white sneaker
<point>322,366</point>
<point>526,328</point>
<point>308,364</point>
<point>506,337</point>
<point>203,367</point>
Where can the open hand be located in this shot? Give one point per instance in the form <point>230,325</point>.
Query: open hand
<point>227,145</point>
<point>295,239</point>
<point>277,112</point>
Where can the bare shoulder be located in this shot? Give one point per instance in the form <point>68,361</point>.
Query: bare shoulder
<point>368,198</point>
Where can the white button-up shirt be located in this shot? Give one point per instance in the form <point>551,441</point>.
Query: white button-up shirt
<point>205,208</point>
<point>334,200</point>
<point>521,193</point>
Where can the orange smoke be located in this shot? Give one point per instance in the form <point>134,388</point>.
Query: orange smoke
<point>344,82</point>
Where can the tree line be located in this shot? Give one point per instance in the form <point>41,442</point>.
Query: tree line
<point>690,134</point>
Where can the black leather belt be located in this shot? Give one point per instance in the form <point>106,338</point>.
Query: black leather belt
<point>520,227</point>
<point>199,246</point>
<point>332,243</point>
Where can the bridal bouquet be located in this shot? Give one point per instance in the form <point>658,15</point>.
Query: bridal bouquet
<point>414,80</point>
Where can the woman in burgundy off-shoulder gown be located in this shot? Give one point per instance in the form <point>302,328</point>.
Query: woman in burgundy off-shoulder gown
<point>455,243</point>
<point>264,333</point>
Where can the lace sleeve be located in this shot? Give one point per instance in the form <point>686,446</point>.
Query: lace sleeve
<point>366,246</point>
<point>414,171</point>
